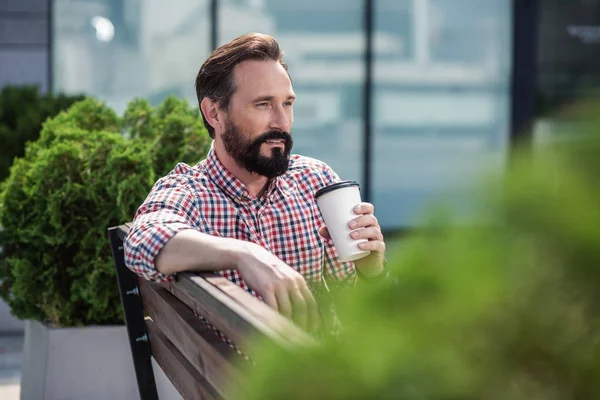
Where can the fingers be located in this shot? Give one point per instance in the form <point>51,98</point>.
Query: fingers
<point>270,299</point>
<point>371,233</point>
<point>366,226</point>
<point>373,245</point>
<point>366,218</point>
<point>281,287</point>
<point>364,208</point>
<point>364,221</point>
<point>283,302</point>
<point>295,301</point>
<point>299,313</point>
<point>314,318</point>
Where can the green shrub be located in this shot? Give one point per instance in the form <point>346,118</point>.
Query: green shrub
<point>503,310</point>
<point>177,122</point>
<point>23,109</point>
<point>89,170</point>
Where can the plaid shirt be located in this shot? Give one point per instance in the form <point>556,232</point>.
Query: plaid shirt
<point>208,198</point>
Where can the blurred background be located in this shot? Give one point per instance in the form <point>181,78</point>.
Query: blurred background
<point>411,98</point>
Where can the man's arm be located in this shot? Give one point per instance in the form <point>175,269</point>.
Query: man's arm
<point>191,250</point>
<point>282,287</point>
<point>165,240</point>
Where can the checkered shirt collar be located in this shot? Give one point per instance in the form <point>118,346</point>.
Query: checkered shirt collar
<point>232,186</point>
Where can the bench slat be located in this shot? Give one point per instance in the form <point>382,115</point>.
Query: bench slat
<point>205,351</point>
<point>231,317</point>
<point>186,379</point>
<point>197,362</point>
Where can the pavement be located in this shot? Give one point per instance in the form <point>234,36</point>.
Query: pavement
<point>11,355</point>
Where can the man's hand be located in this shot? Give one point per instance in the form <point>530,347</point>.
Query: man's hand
<point>366,226</point>
<point>282,287</point>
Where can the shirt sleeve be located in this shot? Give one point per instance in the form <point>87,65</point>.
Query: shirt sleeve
<point>335,270</point>
<point>169,209</point>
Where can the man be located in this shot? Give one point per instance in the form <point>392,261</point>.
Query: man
<point>248,210</point>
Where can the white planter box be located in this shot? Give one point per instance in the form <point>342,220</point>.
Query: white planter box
<point>77,363</point>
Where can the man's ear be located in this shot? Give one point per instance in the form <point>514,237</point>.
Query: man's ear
<point>210,109</point>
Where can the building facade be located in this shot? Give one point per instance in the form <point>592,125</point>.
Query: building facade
<point>412,98</point>
<point>25,42</point>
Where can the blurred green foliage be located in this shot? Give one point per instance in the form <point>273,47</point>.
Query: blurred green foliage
<point>505,308</point>
<point>89,170</point>
<point>23,109</point>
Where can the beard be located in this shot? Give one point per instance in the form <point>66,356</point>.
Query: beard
<point>246,153</point>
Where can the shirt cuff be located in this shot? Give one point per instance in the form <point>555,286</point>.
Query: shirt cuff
<point>384,276</point>
<point>146,247</point>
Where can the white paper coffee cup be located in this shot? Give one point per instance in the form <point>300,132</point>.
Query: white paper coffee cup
<point>336,203</point>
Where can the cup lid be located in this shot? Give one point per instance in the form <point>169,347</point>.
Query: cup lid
<point>336,186</point>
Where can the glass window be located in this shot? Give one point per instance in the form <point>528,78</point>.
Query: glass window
<point>120,49</point>
<point>441,101</point>
<point>323,42</point>
<point>568,61</point>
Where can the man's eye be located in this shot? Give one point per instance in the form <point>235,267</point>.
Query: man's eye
<point>289,103</point>
<point>262,104</point>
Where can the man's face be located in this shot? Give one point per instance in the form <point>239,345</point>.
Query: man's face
<point>257,131</point>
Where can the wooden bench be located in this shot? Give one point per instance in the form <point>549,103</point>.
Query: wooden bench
<point>165,331</point>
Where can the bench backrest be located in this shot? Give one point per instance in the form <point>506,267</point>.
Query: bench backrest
<point>163,322</point>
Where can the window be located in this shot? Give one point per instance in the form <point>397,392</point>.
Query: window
<point>116,50</point>
<point>568,60</point>
<point>323,42</point>
<point>441,101</point>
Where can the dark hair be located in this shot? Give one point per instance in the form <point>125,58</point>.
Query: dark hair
<point>215,79</point>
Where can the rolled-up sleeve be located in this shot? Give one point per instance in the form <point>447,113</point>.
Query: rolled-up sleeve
<point>170,208</point>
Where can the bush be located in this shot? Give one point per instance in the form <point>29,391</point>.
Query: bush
<point>23,109</point>
<point>503,310</point>
<point>88,171</point>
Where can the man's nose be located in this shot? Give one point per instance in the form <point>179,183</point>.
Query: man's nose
<point>281,119</point>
